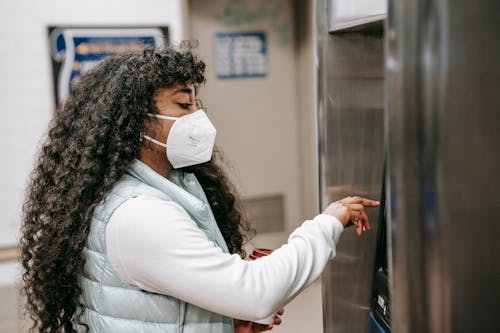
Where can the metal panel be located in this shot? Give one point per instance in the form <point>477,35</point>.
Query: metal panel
<point>350,123</point>
<point>443,74</point>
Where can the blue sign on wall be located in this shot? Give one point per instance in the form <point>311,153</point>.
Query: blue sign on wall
<point>75,50</point>
<point>240,55</point>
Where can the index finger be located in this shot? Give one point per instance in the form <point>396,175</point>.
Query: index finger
<point>360,200</point>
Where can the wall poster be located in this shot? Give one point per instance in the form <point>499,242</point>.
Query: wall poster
<point>240,55</point>
<point>75,50</point>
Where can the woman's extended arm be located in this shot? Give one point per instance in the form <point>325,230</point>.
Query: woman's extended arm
<point>155,245</point>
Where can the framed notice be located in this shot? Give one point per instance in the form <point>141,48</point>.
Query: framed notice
<point>240,55</point>
<point>75,50</point>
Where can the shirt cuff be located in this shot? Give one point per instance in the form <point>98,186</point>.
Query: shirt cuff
<point>333,226</point>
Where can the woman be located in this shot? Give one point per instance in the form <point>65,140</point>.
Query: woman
<point>130,225</point>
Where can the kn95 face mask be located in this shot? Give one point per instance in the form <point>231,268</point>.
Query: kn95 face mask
<point>190,141</point>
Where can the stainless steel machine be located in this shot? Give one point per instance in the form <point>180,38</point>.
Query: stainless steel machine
<point>409,114</point>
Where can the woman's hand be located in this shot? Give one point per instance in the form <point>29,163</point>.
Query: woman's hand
<point>243,326</point>
<point>351,211</point>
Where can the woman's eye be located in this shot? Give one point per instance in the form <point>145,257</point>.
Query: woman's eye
<point>185,106</point>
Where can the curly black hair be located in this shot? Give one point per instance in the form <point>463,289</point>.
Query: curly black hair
<point>91,140</point>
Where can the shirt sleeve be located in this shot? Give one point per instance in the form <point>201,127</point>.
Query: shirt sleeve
<point>156,246</point>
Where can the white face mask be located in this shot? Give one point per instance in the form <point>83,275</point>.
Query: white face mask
<point>190,141</point>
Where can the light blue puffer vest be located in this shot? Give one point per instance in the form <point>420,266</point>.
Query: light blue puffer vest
<point>114,306</point>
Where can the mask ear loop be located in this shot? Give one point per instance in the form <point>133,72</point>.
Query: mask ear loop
<point>159,116</point>
<point>147,137</point>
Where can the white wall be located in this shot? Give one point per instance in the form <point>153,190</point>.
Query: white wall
<point>26,101</point>
<point>267,126</point>
<point>256,118</point>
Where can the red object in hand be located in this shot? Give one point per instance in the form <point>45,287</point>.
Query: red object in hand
<point>259,253</point>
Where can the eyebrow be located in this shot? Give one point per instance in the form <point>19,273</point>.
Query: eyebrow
<point>183,90</point>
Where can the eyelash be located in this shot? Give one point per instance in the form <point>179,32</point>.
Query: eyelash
<point>185,106</point>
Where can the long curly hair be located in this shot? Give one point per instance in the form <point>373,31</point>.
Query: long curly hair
<point>91,140</point>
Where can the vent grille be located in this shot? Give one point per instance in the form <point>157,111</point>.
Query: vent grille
<point>265,213</point>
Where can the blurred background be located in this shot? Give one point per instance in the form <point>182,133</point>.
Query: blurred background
<point>265,116</point>
<point>313,101</point>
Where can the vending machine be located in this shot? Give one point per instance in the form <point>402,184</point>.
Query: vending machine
<point>351,159</point>
<point>408,114</point>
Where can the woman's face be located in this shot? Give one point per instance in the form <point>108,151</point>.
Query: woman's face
<point>176,101</point>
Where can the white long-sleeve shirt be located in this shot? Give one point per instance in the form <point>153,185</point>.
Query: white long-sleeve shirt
<point>155,245</point>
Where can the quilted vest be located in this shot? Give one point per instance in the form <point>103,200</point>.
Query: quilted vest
<point>114,306</point>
